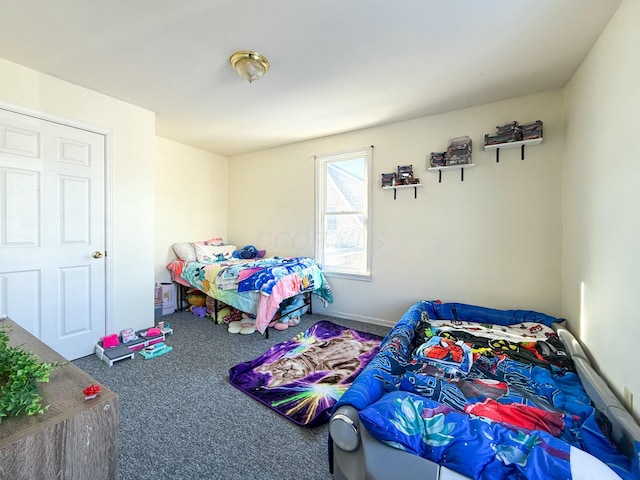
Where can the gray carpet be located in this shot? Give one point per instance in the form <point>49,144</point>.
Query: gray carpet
<point>181,419</point>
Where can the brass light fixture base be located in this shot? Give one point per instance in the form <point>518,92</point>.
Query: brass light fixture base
<point>249,65</point>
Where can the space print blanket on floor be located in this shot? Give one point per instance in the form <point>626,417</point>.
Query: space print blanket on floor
<point>304,377</point>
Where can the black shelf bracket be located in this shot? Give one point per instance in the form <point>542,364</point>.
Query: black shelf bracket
<point>460,167</point>
<point>461,175</point>
<point>521,153</point>
<point>415,192</point>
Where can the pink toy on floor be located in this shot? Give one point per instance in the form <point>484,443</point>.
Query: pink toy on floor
<point>110,341</point>
<point>153,332</point>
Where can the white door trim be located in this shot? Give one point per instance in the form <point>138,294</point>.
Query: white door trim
<point>108,191</point>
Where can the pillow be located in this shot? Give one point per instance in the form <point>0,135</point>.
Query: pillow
<point>213,253</point>
<point>212,241</point>
<point>184,251</point>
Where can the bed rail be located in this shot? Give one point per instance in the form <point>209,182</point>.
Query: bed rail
<point>369,460</point>
<point>625,429</point>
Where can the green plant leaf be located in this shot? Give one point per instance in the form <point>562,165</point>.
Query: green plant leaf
<point>20,373</point>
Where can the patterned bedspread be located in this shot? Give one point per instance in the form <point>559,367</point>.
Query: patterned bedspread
<point>255,286</point>
<point>493,400</point>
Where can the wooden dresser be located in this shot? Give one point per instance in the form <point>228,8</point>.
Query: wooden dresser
<point>74,439</point>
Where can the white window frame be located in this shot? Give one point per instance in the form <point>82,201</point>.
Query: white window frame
<point>322,161</point>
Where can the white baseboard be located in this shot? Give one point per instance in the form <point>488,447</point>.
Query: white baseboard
<point>357,318</point>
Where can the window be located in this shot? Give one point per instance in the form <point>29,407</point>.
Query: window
<point>342,213</point>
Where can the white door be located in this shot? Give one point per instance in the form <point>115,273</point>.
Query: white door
<point>52,226</point>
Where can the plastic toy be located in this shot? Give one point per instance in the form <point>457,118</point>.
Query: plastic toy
<point>128,334</point>
<point>152,332</point>
<point>110,341</point>
<point>155,350</point>
<point>199,311</point>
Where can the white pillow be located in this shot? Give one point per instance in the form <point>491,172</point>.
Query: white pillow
<point>184,251</point>
<point>213,253</point>
<point>212,241</point>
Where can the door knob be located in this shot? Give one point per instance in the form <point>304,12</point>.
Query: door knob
<point>97,255</point>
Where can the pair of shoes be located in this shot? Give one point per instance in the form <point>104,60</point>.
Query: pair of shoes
<point>246,326</point>
<point>234,327</point>
<point>281,325</point>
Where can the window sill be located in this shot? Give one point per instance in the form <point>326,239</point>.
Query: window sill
<point>363,277</point>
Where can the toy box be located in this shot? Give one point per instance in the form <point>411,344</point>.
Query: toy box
<point>166,292</point>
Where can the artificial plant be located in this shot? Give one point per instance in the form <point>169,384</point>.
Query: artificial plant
<point>20,373</point>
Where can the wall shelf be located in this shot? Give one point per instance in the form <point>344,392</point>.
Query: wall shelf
<point>415,187</point>
<point>460,167</point>
<point>521,144</point>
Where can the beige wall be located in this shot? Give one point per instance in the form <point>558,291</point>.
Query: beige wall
<point>600,197</point>
<point>556,232</point>
<point>191,199</point>
<point>492,240</point>
<point>133,171</point>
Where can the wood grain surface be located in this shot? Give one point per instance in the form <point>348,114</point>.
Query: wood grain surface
<point>74,439</point>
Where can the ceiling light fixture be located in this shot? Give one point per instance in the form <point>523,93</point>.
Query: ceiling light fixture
<point>249,65</point>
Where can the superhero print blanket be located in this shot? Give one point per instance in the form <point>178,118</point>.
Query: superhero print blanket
<point>490,394</point>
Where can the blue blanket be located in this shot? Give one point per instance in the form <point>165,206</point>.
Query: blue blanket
<point>519,412</point>
<point>262,275</point>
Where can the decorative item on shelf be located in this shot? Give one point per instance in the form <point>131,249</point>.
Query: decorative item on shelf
<point>532,130</point>
<point>404,175</point>
<point>438,159</point>
<point>388,179</point>
<point>458,151</point>
<point>457,156</point>
<point>509,132</point>
<point>403,178</point>
<point>513,134</point>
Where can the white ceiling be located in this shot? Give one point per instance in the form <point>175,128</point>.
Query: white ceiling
<point>336,65</point>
